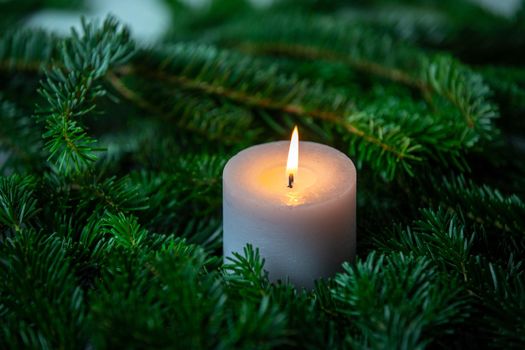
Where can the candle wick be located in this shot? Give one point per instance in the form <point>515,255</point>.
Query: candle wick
<point>290,180</point>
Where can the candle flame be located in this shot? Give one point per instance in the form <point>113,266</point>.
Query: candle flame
<point>293,156</point>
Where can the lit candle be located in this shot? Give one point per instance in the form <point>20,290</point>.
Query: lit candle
<point>295,201</point>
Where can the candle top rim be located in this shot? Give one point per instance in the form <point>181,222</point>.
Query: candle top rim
<point>334,171</point>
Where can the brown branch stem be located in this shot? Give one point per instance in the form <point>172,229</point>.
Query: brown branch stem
<point>311,53</point>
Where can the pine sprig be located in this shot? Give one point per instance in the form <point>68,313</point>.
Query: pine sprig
<point>93,195</point>
<point>466,90</point>
<point>27,50</point>
<point>245,272</point>
<point>202,116</point>
<point>172,289</point>
<point>373,52</point>
<point>42,307</point>
<point>374,294</point>
<point>225,75</point>
<point>125,230</point>
<point>480,204</point>
<point>72,85</point>
<point>439,235</point>
<point>500,289</point>
<point>17,203</point>
<point>19,140</point>
<point>183,198</point>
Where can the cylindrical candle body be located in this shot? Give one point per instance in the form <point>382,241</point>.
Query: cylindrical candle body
<point>304,232</point>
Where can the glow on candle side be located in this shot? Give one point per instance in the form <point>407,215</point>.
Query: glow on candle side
<point>292,164</point>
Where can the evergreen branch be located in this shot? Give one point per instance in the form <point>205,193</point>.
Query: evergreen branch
<point>438,235</point>
<point>374,294</point>
<point>125,230</point>
<point>129,94</point>
<point>481,204</point>
<point>508,84</point>
<point>44,308</point>
<point>74,203</point>
<point>260,325</point>
<point>172,292</point>
<point>184,202</point>
<point>93,258</point>
<point>500,288</point>
<point>27,50</point>
<point>112,194</point>
<point>467,92</point>
<point>293,109</point>
<point>313,321</point>
<point>17,203</point>
<point>70,89</point>
<point>245,272</point>
<point>221,74</point>
<point>206,117</point>
<point>18,139</point>
<point>375,53</point>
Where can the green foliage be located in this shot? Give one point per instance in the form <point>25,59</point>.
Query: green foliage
<point>377,53</point>
<point>172,290</point>
<point>19,139</point>
<point>500,289</point>
<point>245,273</point>
<point>17,204</point>
<point>439,235</point>
<point>208,71</point>
<point>71,86</point>
<point>397,301</point>
<point>460,110</point>
<point>485,205</point>
<point>41,304</point>
<point>27,50</point>
<point>122,248</point>
<point>125,230</point>
<point>467,92</point>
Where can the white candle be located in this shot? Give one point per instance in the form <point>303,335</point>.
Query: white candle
<point>303,232</point>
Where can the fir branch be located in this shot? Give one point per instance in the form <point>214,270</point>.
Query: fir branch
<point>262,326</point>
<point>44,308</point>
<point>480,204</point>
<point>508,84</point>
<point>500,288</point>
<point>88,250</point>
<point>125,230</point>
<point>438,235</point>
<point>111,194</point>
<point>221,74</point>
<point>17,203</point>
<point>184,201</point>
<point>442,236</point>
<point>313,53</point>
<point>374,294</point>
<point>19,140</point>
<point>70,89</point>
<point>373,52</point>
<point>74,205</point>
<point>245,272</point>
<point>27,50</point>
<point>467,92</point>
<point>206,117</point>
<point>171,299</point>
<point>91,257</point>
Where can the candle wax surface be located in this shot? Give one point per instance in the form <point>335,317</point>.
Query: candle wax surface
<point>260,171</point>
